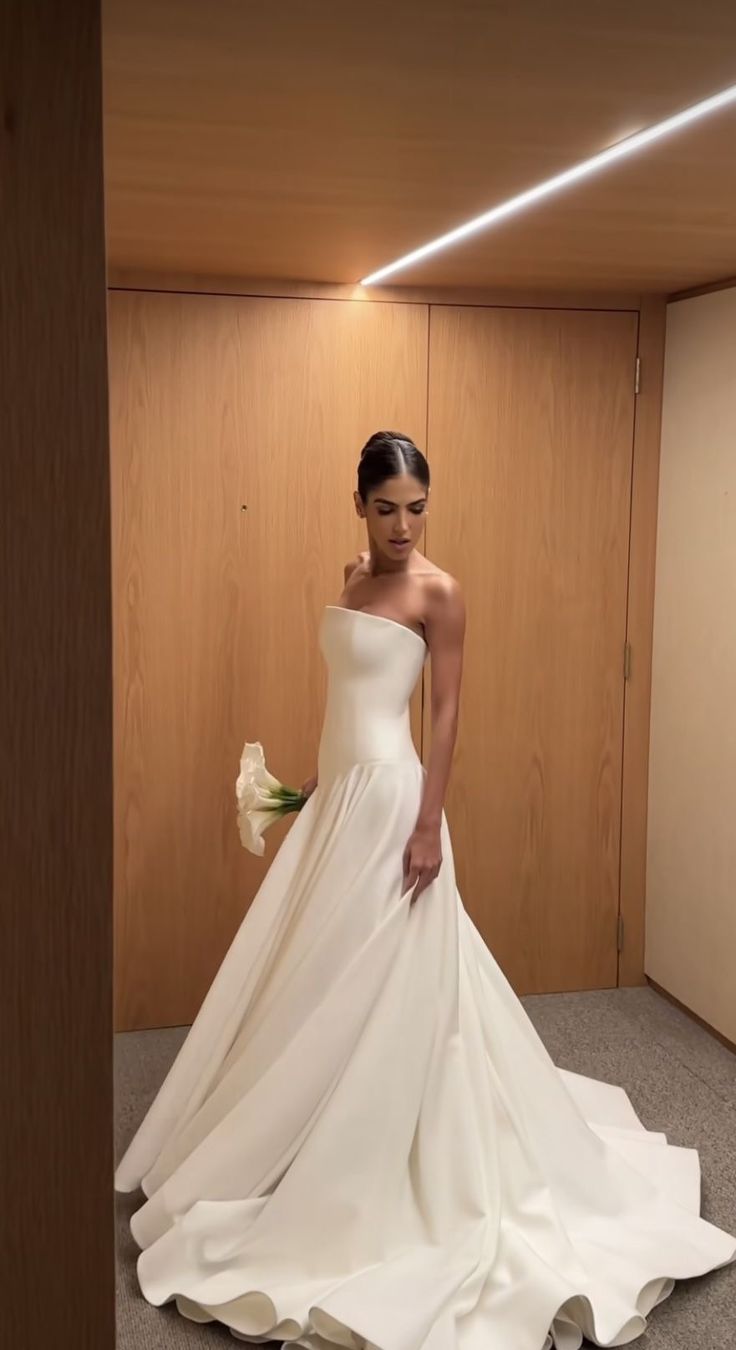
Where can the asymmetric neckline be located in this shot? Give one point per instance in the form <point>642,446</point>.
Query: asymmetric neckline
<point>383,618</point>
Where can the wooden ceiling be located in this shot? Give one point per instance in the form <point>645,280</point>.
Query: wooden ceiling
<point>316,140</point>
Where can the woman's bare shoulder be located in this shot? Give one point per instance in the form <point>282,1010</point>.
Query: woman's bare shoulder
<point>443,595</point>
<point>436,580</point>
<point>355,563</point>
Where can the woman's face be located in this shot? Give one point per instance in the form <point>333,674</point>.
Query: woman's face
<point>395,514</point>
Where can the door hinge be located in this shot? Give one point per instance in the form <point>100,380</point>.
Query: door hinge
<point>637,375</point>
<point>620,934</point>
<point>627,660</point>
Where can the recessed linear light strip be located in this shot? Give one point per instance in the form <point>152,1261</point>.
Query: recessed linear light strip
<point>535,194</point>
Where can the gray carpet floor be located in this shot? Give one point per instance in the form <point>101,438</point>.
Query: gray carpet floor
<point>680,1080</point>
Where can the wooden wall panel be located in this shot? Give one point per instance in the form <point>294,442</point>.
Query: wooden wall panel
<point>57,1276</point>
<point>503,297</point>
<point>638,696</point>
<point>530,446</point>
<point>236,426</point>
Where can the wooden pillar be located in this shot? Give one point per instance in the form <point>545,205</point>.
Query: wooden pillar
<point>57,1283</point>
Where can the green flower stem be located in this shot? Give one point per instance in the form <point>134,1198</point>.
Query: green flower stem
<point>286,794</point>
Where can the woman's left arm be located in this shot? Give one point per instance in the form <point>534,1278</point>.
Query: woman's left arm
<point>445,629</point>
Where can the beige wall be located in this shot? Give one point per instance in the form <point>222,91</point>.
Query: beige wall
<point>691,862</point>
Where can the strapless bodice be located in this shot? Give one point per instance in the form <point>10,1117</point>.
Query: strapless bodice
<point>373,665</point>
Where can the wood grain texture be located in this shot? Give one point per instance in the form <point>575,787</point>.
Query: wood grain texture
<point>319,142</point>
<point>501,297</point>
<point>530,445</point>
<point>56,1100</point>
<point>640,629</point>
<point>236,426</point>
<point>220,404</point>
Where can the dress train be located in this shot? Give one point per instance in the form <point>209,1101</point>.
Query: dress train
<point>363,1141</point>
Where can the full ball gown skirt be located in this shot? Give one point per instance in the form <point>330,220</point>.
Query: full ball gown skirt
<point>362,1141</point>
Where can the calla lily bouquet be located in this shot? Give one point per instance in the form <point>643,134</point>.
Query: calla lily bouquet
<point>261,798</point>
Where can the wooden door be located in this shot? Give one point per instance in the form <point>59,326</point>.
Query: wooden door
<point>530,445</point>
<point>236,426</point>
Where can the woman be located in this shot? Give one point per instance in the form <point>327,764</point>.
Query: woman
<point>362,1140</point>
<point>395,580</point>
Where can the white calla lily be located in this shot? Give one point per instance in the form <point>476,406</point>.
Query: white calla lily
<point>260,798</point>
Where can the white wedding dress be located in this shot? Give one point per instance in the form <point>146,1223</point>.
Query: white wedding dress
<point>362,1141</point>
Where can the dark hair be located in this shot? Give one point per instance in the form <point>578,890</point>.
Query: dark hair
<point>387,454</point>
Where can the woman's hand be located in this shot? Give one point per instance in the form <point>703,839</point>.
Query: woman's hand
<point>308,786</point>
<point>422,859</point>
